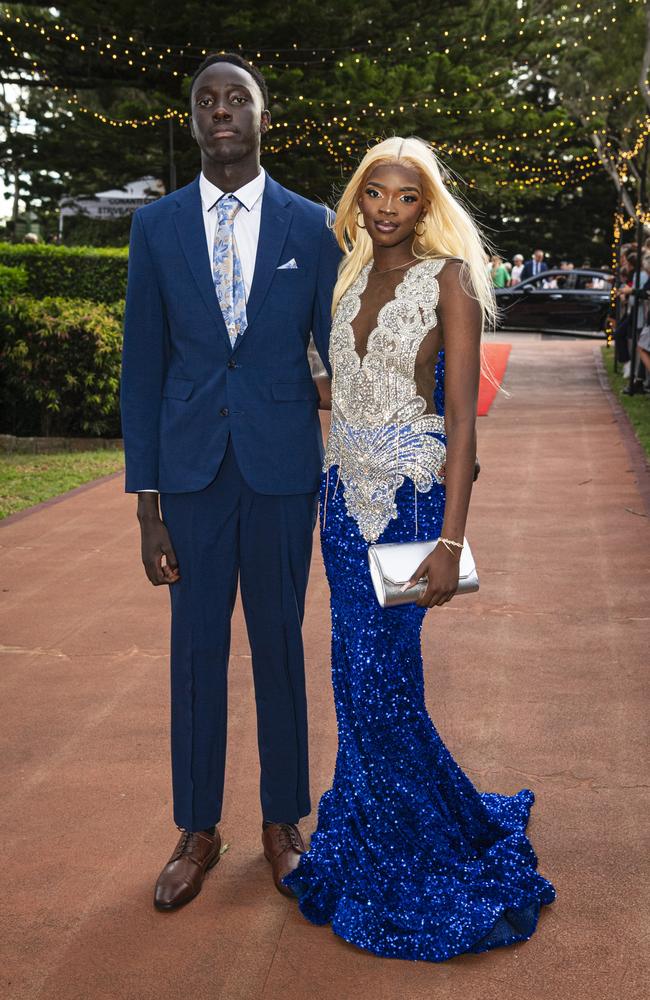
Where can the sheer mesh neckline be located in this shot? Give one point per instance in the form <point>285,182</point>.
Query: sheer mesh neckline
<point>358,287</point>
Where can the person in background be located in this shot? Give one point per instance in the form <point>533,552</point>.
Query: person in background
<point>601,283</point>
<point>624,331</point>
<point>626,271</point>
<point>537,265</point>
<point>643,347</point>
<point>643,343</point>
<point>499,272</point>
<point>517,268</point>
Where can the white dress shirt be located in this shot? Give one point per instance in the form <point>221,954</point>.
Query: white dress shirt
<point>247,221</point>
<point>246,226</point>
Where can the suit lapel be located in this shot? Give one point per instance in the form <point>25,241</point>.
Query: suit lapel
<point>274,226</point>
<point>188,219</point>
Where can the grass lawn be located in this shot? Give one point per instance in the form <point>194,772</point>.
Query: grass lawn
<point>637,407</point>
<point>28,479</point>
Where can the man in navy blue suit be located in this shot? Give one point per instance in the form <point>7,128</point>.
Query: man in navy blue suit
<point>535,266</point>
<point>228,279</point>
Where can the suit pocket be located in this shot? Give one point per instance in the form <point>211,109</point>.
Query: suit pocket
<point>289,392</point>
<point>178,388</point>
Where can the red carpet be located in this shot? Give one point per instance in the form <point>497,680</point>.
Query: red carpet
<point>495,359</point>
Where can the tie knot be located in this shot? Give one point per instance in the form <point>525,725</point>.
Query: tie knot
<point>227,208</point>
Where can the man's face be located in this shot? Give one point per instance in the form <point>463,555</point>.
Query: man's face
<point>539,255</point>
<point>227,113</point>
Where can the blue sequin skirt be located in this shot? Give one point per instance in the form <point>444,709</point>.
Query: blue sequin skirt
<point>409,860</point>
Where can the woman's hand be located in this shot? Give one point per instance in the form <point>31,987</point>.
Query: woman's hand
<point>442,471</point>
<point>441,568</point>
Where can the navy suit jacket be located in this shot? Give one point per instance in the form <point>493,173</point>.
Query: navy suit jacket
<point>184,389</point>
<point>528,269</point>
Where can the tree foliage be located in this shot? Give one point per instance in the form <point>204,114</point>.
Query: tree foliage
<point>506,91</point>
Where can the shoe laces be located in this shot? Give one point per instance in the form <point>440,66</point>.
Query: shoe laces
<point>185,844</point>
<point>288,837</point>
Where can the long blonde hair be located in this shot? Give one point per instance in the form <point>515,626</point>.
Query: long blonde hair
<point>448,228</point>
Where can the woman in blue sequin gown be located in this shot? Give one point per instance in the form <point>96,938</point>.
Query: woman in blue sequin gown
<point>409,860</point>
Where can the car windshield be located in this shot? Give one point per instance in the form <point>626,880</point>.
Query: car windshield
<point>600,281</point>
<point>569,280</point>
<point>540,282</point>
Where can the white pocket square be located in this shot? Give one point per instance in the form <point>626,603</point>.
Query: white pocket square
<point>290,265</point>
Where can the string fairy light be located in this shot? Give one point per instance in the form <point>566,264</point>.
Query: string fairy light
<point>133,51</point>
<point>343,132</point>
<point>339,138</point>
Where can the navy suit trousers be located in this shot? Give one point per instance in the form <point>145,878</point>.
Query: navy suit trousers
<point>222,534</point>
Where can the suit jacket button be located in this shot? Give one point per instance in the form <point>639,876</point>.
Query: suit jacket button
<point>224,411</point>
<point>232,364</point>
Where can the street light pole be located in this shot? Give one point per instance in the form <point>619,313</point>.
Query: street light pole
<point>618,310</point>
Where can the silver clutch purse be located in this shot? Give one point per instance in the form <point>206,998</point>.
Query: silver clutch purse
<point>393,564</point>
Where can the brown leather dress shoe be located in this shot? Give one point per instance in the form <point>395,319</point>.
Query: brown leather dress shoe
<point>182,877</point>
<point>283,845</point>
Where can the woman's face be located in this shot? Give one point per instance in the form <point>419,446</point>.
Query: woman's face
<point>392,203</point>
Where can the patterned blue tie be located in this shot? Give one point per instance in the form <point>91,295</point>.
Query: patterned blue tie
<point>226,269</point>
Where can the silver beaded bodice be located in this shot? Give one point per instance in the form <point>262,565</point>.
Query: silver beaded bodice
<point>380,432</point>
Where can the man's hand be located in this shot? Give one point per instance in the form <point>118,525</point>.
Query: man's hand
<point>155,542</point>
<point>324,386</point>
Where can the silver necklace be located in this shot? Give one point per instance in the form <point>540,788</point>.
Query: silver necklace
<point>396,268</point>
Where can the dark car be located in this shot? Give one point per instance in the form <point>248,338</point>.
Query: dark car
<point>575,302</point>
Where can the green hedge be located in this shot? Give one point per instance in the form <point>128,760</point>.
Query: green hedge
<point>94,273</point>
<point>61,366</point>
<point>13,280</point>
<point>80,230</point>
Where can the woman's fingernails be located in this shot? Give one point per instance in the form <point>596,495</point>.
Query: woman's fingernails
<point>405,587</point>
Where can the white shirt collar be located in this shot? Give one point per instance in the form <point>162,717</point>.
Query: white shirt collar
<point>248,194</point>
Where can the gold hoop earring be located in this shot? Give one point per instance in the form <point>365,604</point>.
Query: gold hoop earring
<point>359,226</point>
<point>419,235</point>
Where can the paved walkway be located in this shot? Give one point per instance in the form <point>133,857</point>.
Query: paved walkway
<point>537,681</point>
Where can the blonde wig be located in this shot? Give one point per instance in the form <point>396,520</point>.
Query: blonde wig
<point>448,228</point>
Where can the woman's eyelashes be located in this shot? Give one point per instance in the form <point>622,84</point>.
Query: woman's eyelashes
<point>408,199</point>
